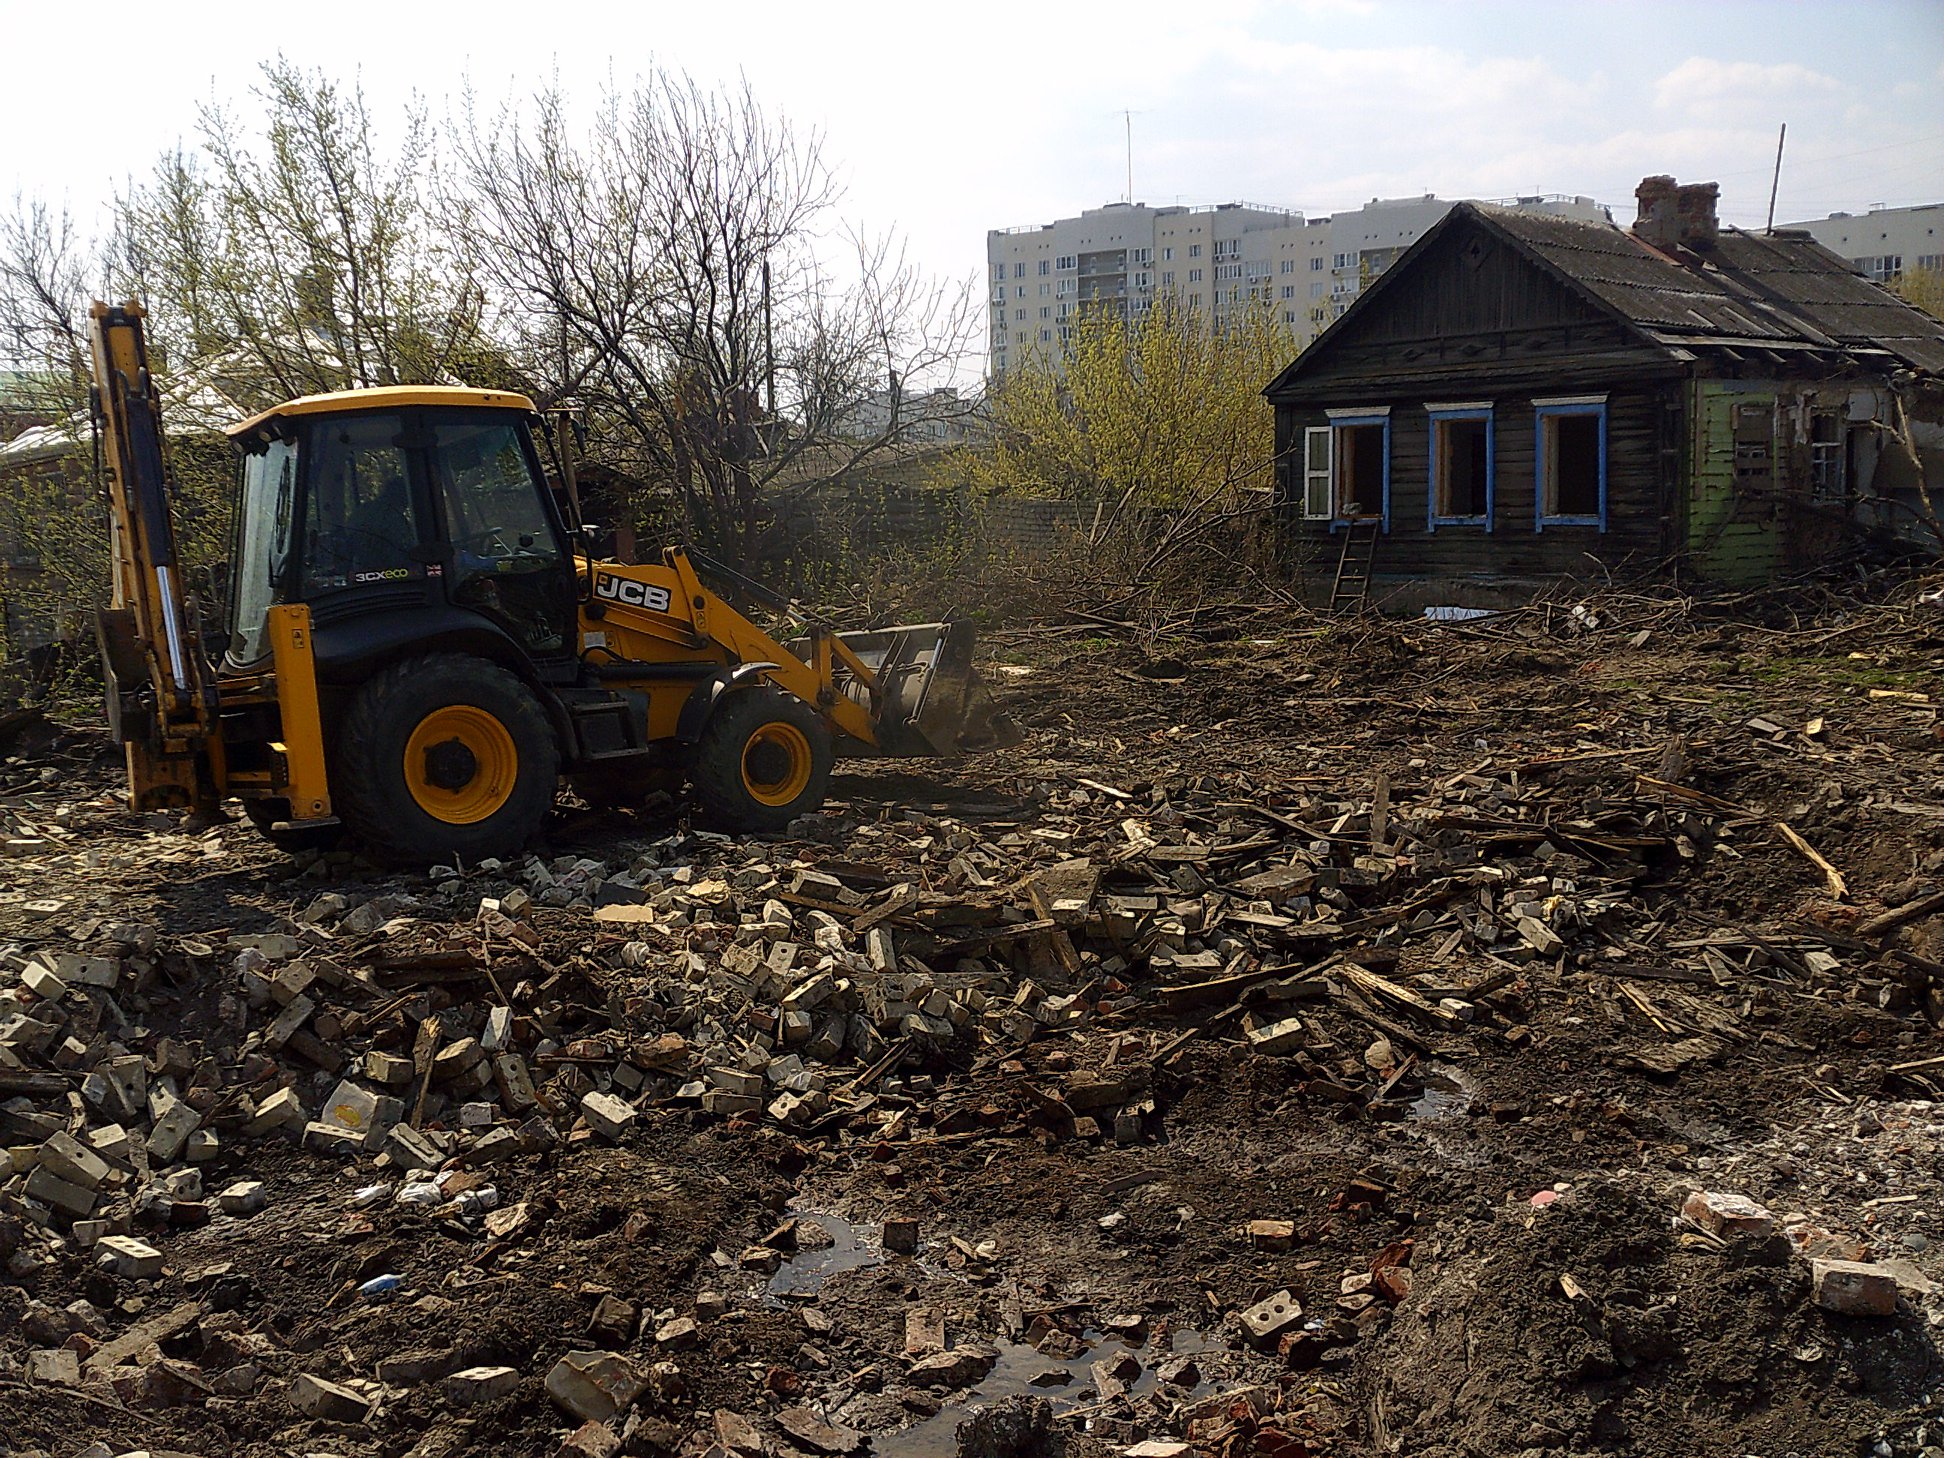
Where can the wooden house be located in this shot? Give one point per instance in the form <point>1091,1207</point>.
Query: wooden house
<point>1523,399</point>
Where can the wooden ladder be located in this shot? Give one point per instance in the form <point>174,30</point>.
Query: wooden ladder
<point>1351,590</point>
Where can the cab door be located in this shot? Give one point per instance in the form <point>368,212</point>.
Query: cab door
<point>506,553</point>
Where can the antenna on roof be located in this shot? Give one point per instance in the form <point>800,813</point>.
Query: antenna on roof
<point>1128,117</point>
<point>1774,186</point>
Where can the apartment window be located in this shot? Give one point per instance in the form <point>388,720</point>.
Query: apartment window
<point>1342,260</point>
<point>1228,247</point>
<point>1316,264</point>
<point>1143,280</point>
<point>1019,270</point>
<point>1194,250</point>
<point>1046,311</point>
<point>1046,290</point>
<point>998,270</point>
<point>1045,267</point>
<point>1066,261</point>
<point>1063,288</point>
<point>1167,279</point>
<point>1142,257</point>
<point>1931,262</point>
<point>1289,291</point>
<point>1316,316</point>
<point>1046,336</point>
<point>1346,467</point>
<point>1065,310</point>
<point>1882,269</point>
<point>1194,275</point>
<point>1228,270</point>
<point>1019,291</point>
<point>1289,265</point>
<point>1461,465</point>
<point>1289,316</point>
<point>1167,255</point>
<point>1020,315</point>
<point>1572,454</point>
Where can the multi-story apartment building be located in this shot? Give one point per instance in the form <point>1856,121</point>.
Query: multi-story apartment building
<point>1884,243</point>
<point>1213,258</point>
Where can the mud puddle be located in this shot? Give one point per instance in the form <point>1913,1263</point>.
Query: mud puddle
<point>1023,1372</point>
<point>854,1246</point>
<point>1448,1093</point>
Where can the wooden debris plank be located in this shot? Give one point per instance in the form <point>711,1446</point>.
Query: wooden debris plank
<point>1838,887</point>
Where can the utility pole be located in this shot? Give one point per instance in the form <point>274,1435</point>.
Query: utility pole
<point>1776,185</point>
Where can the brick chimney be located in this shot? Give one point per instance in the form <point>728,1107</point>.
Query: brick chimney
<point>1677,215</point>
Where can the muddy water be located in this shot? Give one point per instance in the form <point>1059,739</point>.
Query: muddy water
<point>854,1246</point>
<point>1448,1091</point>
<point>1021,1371</point>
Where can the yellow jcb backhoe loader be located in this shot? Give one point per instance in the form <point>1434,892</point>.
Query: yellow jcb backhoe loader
<point>419,651</point>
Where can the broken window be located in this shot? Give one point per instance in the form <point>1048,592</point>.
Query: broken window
<point>1461,465</point>
<point>1362,468</point>
<point>1572,462</point>
<point>1346,467</point>
<point>1827,476</point>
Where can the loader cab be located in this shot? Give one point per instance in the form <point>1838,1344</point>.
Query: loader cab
<point>396,513</point>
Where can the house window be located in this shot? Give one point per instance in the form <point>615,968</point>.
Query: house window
<point>1572,450</point>
<point>1828,477</point>
<point>1355,463</point>
<point>1462,468</point>
<point>1316,473</point>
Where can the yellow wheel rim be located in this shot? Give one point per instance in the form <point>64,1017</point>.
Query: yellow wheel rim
<point>460,764</point>
<point>776,764</point>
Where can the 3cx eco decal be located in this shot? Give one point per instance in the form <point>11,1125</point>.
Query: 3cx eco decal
<point>634,594</point>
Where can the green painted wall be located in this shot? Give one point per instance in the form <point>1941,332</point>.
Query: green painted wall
<point>1731,538</point>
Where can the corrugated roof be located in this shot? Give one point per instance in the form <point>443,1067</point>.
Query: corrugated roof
<point>1767,291</point>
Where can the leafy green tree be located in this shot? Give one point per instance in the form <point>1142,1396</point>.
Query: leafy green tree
<point>1164,409</point>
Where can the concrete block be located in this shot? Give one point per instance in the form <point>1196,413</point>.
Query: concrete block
<point>57,1194</point>
<point>329,1401</point>
<point>480,1384</point>
<point>610,1117</point>
<point>245,1197</point>
<point>412,1150</point>
<point>282,1110</point>
<point>171,1131</point>
<point>126,1256</point>
<point>1274,1039</point>
<point>67,1158</point>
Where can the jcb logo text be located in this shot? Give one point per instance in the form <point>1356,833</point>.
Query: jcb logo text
<point>634,594</point>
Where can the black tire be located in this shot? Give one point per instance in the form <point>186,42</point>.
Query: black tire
<point>453,801</point>
<point>761,737</point>
<point>293,839</point>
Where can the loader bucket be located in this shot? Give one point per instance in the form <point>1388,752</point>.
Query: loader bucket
<point>929,701</point>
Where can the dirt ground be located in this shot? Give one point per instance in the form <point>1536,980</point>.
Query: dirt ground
<point>1483,1187</point>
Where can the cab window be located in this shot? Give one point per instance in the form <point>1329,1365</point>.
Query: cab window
<point>361,524</point>
<point>506,559</point>
<point>263,540</point>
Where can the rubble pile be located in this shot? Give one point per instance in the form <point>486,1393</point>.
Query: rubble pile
<point>1210,1073</point>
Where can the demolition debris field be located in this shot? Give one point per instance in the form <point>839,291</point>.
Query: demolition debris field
<point>1307,1042</point>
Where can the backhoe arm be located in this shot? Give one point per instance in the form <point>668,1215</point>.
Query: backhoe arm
<point>161,702</point>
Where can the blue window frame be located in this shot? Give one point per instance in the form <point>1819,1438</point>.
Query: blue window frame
<point>1464,466</point>
<point>1355,434</point>
<point>1570,450</point>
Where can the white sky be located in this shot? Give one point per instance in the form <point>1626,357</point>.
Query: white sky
<point>948,120</point>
